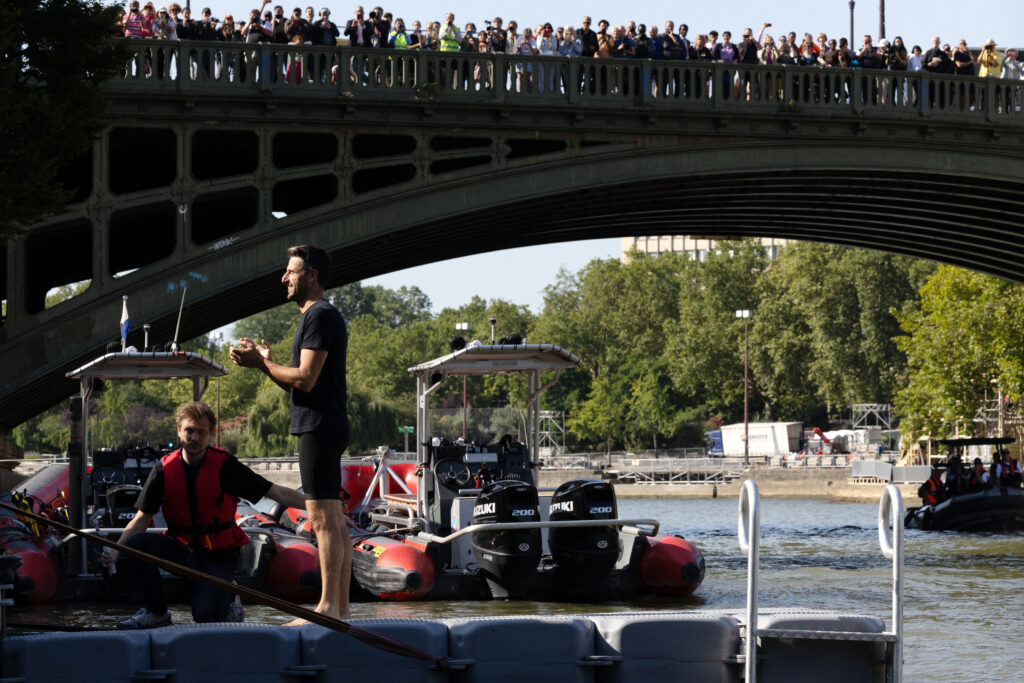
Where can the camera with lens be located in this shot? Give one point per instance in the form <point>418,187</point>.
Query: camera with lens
<point>373,14</point>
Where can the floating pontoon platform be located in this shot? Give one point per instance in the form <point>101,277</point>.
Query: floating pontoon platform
<point>785,645</point>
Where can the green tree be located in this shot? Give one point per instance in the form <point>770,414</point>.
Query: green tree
<point>964,344</point>
<point>274,324</point>
<point>390,307</point>
<point>652,412</point>
<point>826,334</point>
<point>602,417</point>
<point>704,343</point>
<point>267,433</point>
<point>57,57</point>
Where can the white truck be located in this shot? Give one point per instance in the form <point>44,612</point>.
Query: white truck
<point>766,438</point>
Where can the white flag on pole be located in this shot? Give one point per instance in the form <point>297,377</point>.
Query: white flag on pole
<point>125,325</point>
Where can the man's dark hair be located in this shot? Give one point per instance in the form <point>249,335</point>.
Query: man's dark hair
<point>313,258</point>
<point>195,412</point>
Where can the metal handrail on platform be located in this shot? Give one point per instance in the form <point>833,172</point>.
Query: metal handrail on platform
<point>890,511</point>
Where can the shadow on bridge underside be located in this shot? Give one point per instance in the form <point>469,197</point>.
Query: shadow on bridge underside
<point>388,176</point>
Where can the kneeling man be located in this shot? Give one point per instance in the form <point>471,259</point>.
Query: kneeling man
<point>197,487</point>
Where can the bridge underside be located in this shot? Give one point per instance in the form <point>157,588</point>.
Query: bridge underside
<point>391,186</point>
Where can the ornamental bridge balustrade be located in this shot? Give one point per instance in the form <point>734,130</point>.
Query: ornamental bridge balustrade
<point>218,156</point>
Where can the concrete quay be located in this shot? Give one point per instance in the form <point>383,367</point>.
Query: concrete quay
<point>832,483</point>
<point>772,482</point>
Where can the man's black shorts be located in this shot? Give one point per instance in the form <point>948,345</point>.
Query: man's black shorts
<point>320,464</point>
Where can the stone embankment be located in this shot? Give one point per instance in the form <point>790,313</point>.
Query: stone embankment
<point>772,482</point>
<point>831,483</point>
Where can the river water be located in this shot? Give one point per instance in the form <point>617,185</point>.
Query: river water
<point>960,589</point>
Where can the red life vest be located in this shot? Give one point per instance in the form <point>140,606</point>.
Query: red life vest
<point>1007,469</point>
<point>934,486</point>
<point>215,529</point>
<point>976,479</point>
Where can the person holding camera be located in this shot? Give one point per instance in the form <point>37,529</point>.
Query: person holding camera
<point>497,39</point>
<point>450,35</point>
<point>358,31</point>
<point>990,62</point>
<point>296,30</point>
<point>469,39</point>
<point>253,30</point>
<point>380,21</point>
<point>399,39</point>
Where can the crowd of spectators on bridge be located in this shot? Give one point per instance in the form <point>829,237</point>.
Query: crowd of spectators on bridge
<point>378,28</point>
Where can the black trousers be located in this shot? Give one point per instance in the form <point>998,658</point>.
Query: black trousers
<point>208,603</point>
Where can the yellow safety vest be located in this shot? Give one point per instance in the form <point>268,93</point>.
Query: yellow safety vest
<point>401,40</point>
<point>449,44</point>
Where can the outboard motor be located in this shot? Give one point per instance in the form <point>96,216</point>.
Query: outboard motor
<point>507,559</point>
<point>584,556</point>
<point>121,504</point>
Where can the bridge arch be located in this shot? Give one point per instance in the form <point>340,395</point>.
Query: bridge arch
<point>395,179</point>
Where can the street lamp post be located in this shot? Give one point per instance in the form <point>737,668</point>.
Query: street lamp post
<point>881,19</point>
<point>745,314</point>
<point>464,328</point>
<point>852,3</point>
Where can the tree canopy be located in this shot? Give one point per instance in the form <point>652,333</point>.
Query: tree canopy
<point>57,57</point>
<point>662,353</point>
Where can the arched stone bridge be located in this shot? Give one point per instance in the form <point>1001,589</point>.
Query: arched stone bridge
<point>214,162</point>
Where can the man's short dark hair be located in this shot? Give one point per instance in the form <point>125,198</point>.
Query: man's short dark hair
<point>313,258</point>
<point>195,411</point>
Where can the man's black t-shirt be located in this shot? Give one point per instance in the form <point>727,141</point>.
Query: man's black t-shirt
<point>322,409</point>
<point>235,479</point>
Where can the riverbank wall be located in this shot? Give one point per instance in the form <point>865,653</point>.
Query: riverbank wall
<point>832,483</point>
<point>773,482</point>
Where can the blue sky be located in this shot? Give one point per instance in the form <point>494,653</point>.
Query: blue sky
<point>516,275</point>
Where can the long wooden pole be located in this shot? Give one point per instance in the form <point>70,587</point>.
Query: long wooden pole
<point>371,638</point>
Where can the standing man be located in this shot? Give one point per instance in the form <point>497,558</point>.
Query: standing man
<point>316,383</point>
<point>1008,471</point>
<point>198,488</point>
<point>935,61</point>
<point>497,39</point>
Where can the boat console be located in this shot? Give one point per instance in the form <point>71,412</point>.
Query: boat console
<point>116,481</point>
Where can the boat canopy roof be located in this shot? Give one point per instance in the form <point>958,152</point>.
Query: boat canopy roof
<point>149,365</point>
<point>498,359</point>
<point>979,441</point>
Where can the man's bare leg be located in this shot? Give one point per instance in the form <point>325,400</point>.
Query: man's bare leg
<point>335,549</point>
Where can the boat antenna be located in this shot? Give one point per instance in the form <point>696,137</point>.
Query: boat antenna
<point>177,327</point>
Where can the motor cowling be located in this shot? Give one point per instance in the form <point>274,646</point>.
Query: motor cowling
<point>584,556</point>
<point>507,559</point>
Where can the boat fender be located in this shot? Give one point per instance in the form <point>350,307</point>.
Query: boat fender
<point>671,565</point>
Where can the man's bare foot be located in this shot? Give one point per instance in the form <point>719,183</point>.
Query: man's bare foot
<point>302,622</point>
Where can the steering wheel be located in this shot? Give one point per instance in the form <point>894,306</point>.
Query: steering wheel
<point>105,477</point>
<point>452,473</point>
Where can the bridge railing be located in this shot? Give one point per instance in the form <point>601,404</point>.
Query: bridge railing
<point>329,72</point>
